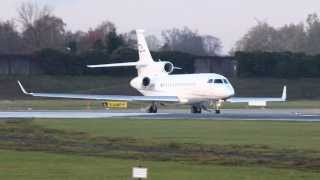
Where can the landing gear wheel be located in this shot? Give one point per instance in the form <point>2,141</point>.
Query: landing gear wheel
<point>153,109</point>
<point>218,106</point>
<point>196,109</point>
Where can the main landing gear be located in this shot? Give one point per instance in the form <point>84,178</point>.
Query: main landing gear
<point>197,108</point>
<point>153,108</point>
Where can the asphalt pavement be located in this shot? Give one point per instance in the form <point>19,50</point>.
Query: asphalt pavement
<point>228,114</point>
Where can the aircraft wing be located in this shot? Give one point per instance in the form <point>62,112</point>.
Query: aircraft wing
<point>102,97</point>
<point>259,101</point>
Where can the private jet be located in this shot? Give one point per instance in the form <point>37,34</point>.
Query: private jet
<point>158,86</point>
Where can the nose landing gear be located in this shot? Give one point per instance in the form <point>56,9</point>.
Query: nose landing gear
<point>218,106</point>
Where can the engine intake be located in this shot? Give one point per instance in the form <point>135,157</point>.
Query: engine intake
<point>168,67</point>
<point>146,81</point>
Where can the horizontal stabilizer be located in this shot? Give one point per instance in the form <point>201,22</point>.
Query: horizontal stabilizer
<point>128,64</point>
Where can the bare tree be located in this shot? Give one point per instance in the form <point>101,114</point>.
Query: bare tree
<point>41,29</point>
<point>184,40</point>
<point>292,38</point>
<point>313,34</point>
<point>10,40</point>
<point>30,12</point>
<point>262,37</point>
<point>47,32</point>
<point>211,45</point>
<point>130,39</point>
<point>106,27</point>
<point>153,43</point>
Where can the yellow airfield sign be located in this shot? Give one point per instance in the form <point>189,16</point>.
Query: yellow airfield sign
<point>116,104</point>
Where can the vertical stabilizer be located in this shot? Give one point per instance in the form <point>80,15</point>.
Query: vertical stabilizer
<point>146,65</point>
<point>144,53</point>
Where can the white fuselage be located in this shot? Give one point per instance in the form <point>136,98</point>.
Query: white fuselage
<point>189,88</point>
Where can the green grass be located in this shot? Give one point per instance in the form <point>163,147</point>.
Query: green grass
<point>171,149</point>
<point>297,135</point>
<point>290,104</point>
<point>50,105</point>
<point>307,104</point>
<point>42,166</point>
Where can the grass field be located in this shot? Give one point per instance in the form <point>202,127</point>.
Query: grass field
<point>42,166</point>
<point>295,135</point>
<point>172,149</point>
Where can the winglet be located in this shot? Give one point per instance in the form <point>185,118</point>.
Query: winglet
<point>22,88</point>
<point>284,93</point>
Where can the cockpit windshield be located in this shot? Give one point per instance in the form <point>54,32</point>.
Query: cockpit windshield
<point>218,81</point>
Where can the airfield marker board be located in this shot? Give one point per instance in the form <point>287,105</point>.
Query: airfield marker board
<point>258,103</point>
<point>139,173</point>
<point>116,104</point>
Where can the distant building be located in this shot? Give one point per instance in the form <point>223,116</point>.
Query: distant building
<point>224,65</point>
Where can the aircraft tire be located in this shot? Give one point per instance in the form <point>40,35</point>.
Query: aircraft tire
<point>196,110</point>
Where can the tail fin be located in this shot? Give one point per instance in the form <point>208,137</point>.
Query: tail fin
<point>144,53</point>
<point>145,58</point>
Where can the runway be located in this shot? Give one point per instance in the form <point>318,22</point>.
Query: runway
<point>234,114</point>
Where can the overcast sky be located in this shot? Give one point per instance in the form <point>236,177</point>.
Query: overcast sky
<point>227,19</point>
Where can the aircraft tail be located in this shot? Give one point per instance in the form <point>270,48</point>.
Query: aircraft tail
<point>144,53</point>
<point>145,58</point>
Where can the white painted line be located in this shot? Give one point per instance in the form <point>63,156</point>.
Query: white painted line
<point>309,115</point>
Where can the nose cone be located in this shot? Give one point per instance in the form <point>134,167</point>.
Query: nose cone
<point>228,92</point>
<point>135,83</point>
<point>231,91</point>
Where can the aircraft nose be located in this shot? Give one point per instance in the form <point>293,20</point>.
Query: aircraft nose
<point>230,91</point>
<point>134,83</point>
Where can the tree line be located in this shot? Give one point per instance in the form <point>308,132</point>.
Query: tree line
<point>290,51</point>
<point>41,29</point>
<point>277,64</point>
<point>250,64</point>
<point>54,62</point>
<point>265,51</point>
<point>297,38</point>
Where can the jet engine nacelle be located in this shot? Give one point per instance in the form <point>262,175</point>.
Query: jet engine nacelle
<point>167,67</point>
<point>156,68</point>
<point>146,81</point>
<point>142,83</point>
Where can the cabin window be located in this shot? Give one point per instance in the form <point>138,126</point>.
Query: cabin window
<point>210,81</point>
<point>218,81</point>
